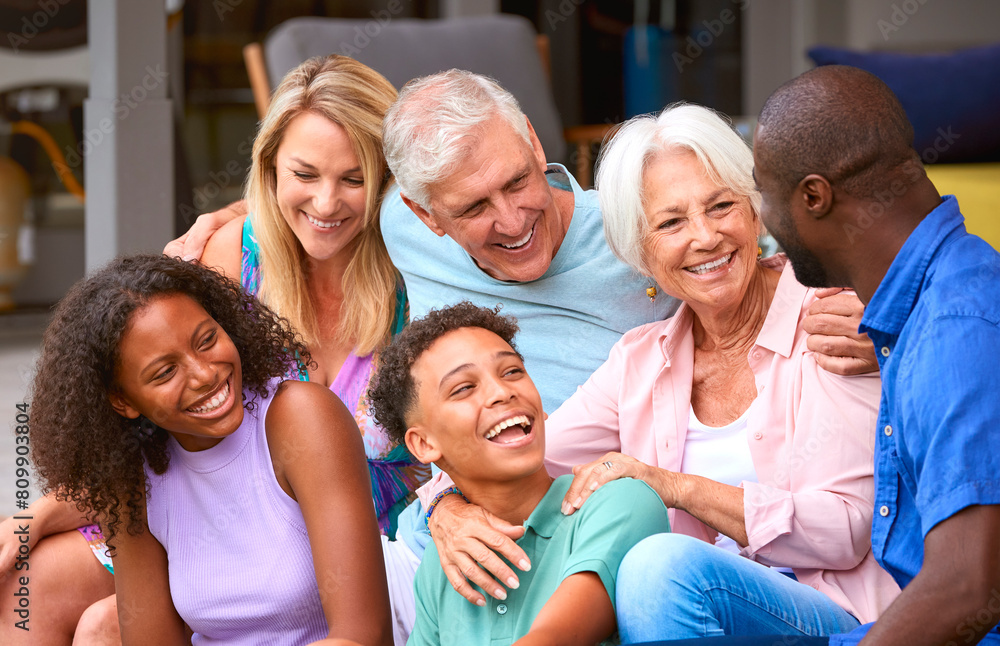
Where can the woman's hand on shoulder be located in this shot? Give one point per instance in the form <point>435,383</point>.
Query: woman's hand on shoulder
<point>316,448</point>
<point>588,478</point>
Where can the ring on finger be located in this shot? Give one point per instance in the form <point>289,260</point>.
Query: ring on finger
<point>610,465</point>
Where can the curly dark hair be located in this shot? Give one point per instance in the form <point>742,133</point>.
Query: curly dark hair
<point>85,451</point>
<point>392,393</point>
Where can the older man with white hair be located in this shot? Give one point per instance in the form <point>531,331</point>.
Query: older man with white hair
<point>480,216</point>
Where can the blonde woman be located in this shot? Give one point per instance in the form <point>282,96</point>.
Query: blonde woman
<point>311,247</point>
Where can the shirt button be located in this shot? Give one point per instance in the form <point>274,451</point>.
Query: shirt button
<point>883,510</point>
<point>757,435</point>
<point>885,351</point>
<point>888,430</point>
<point>502,608</point>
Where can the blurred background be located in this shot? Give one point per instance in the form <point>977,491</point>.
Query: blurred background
<point>147,106</point>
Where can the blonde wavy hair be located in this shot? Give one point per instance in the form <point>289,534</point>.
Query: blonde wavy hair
<point>355,97</point>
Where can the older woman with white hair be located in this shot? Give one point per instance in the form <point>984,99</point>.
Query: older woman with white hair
<point>763,458</point>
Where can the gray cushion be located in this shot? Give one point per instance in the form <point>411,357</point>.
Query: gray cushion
<point>499,46</point>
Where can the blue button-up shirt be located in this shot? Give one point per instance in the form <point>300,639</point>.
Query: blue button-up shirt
<point>935,323</point>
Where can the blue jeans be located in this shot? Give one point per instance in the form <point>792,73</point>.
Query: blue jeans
<point>672,586</point>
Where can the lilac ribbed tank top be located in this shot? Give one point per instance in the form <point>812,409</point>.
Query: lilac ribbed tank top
<point>240,566</point>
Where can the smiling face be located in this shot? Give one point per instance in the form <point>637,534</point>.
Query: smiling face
<point>701,243</point>
<point>498,206</point>
<point>320,187</point>
<point>477,414</point>
<point>179,369</point>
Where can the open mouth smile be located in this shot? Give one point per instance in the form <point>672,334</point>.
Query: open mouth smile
<point>510,430</point>
<point>710,266</point>
<point>323,224</point>
<point>520,243</point>
<point>215,402</point>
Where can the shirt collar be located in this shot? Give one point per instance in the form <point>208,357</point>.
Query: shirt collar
<point>777,334</point>
<point>782,321</point>
<point>547,516</point>
<point>558,177</point>
<point>897,294</point>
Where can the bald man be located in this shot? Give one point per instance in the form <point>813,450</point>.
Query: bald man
<point>845,194</point>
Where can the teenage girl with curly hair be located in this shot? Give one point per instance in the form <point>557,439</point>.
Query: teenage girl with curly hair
<point>236,503</point>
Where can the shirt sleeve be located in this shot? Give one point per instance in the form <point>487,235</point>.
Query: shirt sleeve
<point>438,483</point>
<point>815,510</point>
<point>947,448</point>
<point>852,638</point>
<point>609,524</point>
<point>586,426</point>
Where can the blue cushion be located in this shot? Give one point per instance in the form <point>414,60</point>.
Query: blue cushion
<point>952,100</point>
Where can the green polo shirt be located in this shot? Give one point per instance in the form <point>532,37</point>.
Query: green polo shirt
<point>594,539</point>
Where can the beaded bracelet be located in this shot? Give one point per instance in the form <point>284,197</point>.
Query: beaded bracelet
<point>436,499</point>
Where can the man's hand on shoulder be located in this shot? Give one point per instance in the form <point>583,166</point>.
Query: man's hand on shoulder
<point>832,323</point>
<point>190,246</point>
<point>468,539</point>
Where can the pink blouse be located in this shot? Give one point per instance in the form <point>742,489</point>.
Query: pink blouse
<point>811,435</point>
<point>812,439</point>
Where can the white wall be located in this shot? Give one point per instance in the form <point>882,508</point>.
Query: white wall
<point>777,33</point>
<point>921,25</point>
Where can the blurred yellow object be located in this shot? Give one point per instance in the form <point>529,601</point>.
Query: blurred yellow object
<point>14,189</point>
<point>977,187</point>
<point>45,140</point>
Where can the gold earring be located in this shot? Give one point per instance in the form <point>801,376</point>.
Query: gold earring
<point>651,292</point>
<point>760,252</point>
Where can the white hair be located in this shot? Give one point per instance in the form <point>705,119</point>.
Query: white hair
<point>623,162</point>
<point>425,131</point>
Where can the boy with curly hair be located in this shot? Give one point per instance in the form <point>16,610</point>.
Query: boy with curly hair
<point>453,388</point>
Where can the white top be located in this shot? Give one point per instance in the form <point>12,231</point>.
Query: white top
<point>722,454</point>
